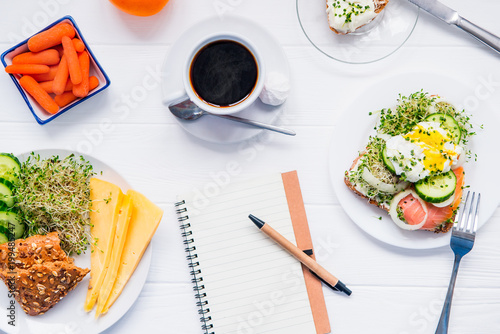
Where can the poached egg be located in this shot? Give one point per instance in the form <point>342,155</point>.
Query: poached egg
<point>427,149</point>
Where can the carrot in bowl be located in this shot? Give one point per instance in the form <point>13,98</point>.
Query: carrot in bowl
<point>50,75</point>
<point>78,44</point>
<point>75,72</point>
<point>82,89</point>
<point>67,97</point>
<point>61,77</point>
<point>45,57</point>
<point>27,69</point>
<point>42,97</point>
<point>47,86</point>
<point>51,37</point>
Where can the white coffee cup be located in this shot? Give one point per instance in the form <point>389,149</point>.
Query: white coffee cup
<point>187,92</point>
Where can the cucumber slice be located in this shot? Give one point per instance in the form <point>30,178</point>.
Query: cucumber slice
<point>438,188</point>
<point>10,167</point>
<point>387,161</point>
<point>3,238</point>
<point>6,196</point>
<point>12,221</point>
<point>448,123</point>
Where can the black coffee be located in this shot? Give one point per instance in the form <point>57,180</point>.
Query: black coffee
<point>223,73</point>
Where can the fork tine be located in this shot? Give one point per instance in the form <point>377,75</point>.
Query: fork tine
<point>469,221</point>
<point>476,215</point>
<point>460,218</point>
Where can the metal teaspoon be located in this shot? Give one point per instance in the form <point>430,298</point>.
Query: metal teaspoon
<point>189,111</point>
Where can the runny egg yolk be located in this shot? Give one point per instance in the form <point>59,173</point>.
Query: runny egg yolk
<point>433,141</point>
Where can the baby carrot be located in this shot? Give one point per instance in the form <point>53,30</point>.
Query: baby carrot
<point>78,44</point>
<point>66,98</point>
<point>82,89</point>
<point>45,57</point>
<point>42,97</point>
<point>47,86</point>
<point>75,72</point>
<point>93,83</point>
<point>61,78</point>
<point>47,76</point>
<point>27,69</point>
<point>50,37</point>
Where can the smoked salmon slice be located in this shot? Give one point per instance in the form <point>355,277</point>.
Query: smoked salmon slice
<point>414,213</point>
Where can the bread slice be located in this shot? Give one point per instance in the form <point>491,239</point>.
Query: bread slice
<point>42,286</point>
<point>33,250</point>
<point>39,274</point>
<point>443,228</point>
<point>379,6</point>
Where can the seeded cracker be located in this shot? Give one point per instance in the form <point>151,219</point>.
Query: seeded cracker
<point>41,274</point>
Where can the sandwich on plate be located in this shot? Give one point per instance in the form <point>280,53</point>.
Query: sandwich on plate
<point>346,16</point>
<point>413,167</point>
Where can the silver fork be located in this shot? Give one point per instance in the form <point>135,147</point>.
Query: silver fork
<point>462,241</point>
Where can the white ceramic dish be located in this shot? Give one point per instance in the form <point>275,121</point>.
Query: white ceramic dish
<point>355,126</point>
<point>214,129</point>
<point>68,315</point>
<point>41,116</point>
<point>374,41</point>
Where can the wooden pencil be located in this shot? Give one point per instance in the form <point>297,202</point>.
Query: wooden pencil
<point>296,252</point>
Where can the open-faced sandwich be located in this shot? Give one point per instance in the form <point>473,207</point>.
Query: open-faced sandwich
<point>412,168</point>
<point>346,16</point>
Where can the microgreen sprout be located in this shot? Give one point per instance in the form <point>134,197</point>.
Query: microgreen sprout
<point>54,195</point>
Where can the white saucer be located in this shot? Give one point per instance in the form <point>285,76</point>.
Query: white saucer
<point>215,129</point>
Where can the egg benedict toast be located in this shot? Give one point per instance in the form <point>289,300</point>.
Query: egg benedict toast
<point>346,16</point>
<point>412,168</point>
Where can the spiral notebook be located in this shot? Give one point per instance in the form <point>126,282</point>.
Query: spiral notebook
<point>245,282</point>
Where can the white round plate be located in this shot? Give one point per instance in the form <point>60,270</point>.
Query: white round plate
<point>356,125</point>
<point>215,129</point>
<point>374,41</point>
<point>68,315</point>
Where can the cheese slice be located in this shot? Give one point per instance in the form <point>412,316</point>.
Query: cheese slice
<point>106,202</point>
<point>118,243</point>
<point>145,219</point>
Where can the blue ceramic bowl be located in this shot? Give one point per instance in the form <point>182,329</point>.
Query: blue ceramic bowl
<point>41,116</point>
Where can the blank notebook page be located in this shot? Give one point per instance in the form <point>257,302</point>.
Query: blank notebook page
<point>252,285</point>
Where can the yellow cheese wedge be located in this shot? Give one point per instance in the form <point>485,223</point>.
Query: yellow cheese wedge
<point>116,253</point>
<point>106,202</point>
<point>146,217</point>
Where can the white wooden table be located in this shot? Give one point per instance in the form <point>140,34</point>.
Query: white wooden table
<point>395,291</point>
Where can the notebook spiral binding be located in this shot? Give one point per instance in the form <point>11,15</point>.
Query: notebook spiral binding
<point>190,249</point>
